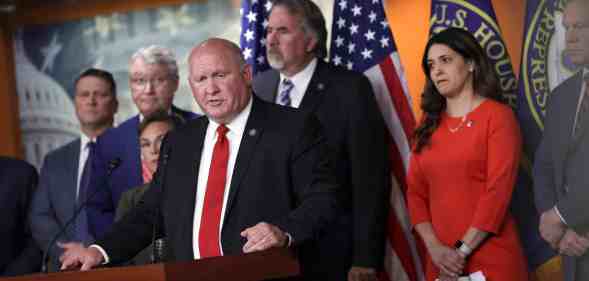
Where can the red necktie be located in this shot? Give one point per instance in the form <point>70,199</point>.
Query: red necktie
<point>208,236</point>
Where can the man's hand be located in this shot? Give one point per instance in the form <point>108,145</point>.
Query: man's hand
<point>551,228</point>
<point>573,244</point>
<point>358,273</point>
<point>263,236</point>
<point>76,255</point>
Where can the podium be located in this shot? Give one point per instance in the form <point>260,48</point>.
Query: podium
<point>270,264</point>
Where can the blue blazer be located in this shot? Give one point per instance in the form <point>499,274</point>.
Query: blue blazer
<point>120,143</point>
<point>54,201</point>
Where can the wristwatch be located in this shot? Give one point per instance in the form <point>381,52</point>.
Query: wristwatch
<point>461,247</point>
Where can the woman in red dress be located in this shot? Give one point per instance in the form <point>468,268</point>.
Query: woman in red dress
<point>464,165</point>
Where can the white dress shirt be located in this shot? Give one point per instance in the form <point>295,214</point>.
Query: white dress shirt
<point>234,135</point>
<point>300,83</point>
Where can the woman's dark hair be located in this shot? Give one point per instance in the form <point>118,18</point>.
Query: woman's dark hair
<point>158,116</point>
<point>484,80</point>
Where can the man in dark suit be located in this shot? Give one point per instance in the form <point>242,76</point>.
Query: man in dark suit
<point>246,177</point>
<point>20,254</point>
<point>560,176</point>
<point>352,248</point>
<point>61,186</point>
<point>153,78</point>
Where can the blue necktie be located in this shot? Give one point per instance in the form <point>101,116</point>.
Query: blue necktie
<point>284,97</point>
<point>81,231</point>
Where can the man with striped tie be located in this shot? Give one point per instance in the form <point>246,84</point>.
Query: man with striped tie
<point>351,248</point>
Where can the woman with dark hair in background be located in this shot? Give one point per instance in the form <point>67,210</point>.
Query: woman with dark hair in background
<point>152,131</point>
<point>464,164</point>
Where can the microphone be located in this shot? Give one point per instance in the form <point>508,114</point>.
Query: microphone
<point>158,245</point>
<point>112,165</point>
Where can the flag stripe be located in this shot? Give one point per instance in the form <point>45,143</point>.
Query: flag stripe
<point>393,268</point>
<point>400,245</point>
<point>389,113</point>
<point>400,101</point>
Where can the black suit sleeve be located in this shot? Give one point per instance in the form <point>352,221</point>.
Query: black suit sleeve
<point>313,182</point>
<point>370,179</point>
<point>29,259</point>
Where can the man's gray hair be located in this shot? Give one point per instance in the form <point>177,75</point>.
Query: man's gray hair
<point>155,54</point>
<point>313,22</point>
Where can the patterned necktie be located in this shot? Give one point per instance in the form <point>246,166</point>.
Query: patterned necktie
<point>209,232</point>
<point>81,231</point>
<point>284,97</point>
<point>583,113</point>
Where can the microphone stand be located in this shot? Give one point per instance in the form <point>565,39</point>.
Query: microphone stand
<point>112,165</point>
<point>158,245</point>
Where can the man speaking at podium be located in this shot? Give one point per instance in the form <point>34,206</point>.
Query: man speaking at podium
<point>247,176</point>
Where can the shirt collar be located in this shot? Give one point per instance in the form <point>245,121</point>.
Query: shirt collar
<point>141,117</point>
<point>237,125</point>
<point>302,79</point>
<point>84,140</point>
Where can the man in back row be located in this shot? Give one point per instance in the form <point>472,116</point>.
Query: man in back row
<point>246,177</point>
<point>66,171</point>
<point>560,180</point>
<point>154,79</point>
<point>352,247</point>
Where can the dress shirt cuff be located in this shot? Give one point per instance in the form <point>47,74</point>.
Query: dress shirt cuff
<point>289,241</point>
<point>559,215</point>
<point>104,255</point>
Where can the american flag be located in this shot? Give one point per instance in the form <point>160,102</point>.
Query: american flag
<point>254,20</point>
<point>362,41</point>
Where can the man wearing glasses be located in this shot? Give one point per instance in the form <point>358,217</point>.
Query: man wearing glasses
<point>153,79</point>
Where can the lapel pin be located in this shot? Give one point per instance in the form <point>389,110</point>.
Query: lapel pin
<point>320,86</point>
<point>252,132</point>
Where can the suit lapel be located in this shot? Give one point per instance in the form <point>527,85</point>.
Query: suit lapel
<point>316,89</point>
<point>251,135</point>
<point>266,87</point>
<point>568,117</point>
<point>71,166</point>
<point>190,168</point>
<point>135,154</point>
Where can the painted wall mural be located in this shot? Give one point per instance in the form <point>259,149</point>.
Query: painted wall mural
<point>49,57</point>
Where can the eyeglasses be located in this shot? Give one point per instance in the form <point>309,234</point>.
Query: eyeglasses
<point>140,83</point>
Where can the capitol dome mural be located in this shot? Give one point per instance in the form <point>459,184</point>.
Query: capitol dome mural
<point>47,114</point>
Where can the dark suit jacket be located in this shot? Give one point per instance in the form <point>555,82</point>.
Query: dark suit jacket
<point>54,201</point>
<point>129,200</point>
<point>282,176</point>
<point>121,143</point>
<point>560,175</point>
<point>20,254</point>
<point>345,105</point>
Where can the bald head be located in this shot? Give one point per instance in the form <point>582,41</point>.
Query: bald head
<point>220,46</point>
<point>220,79</point>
